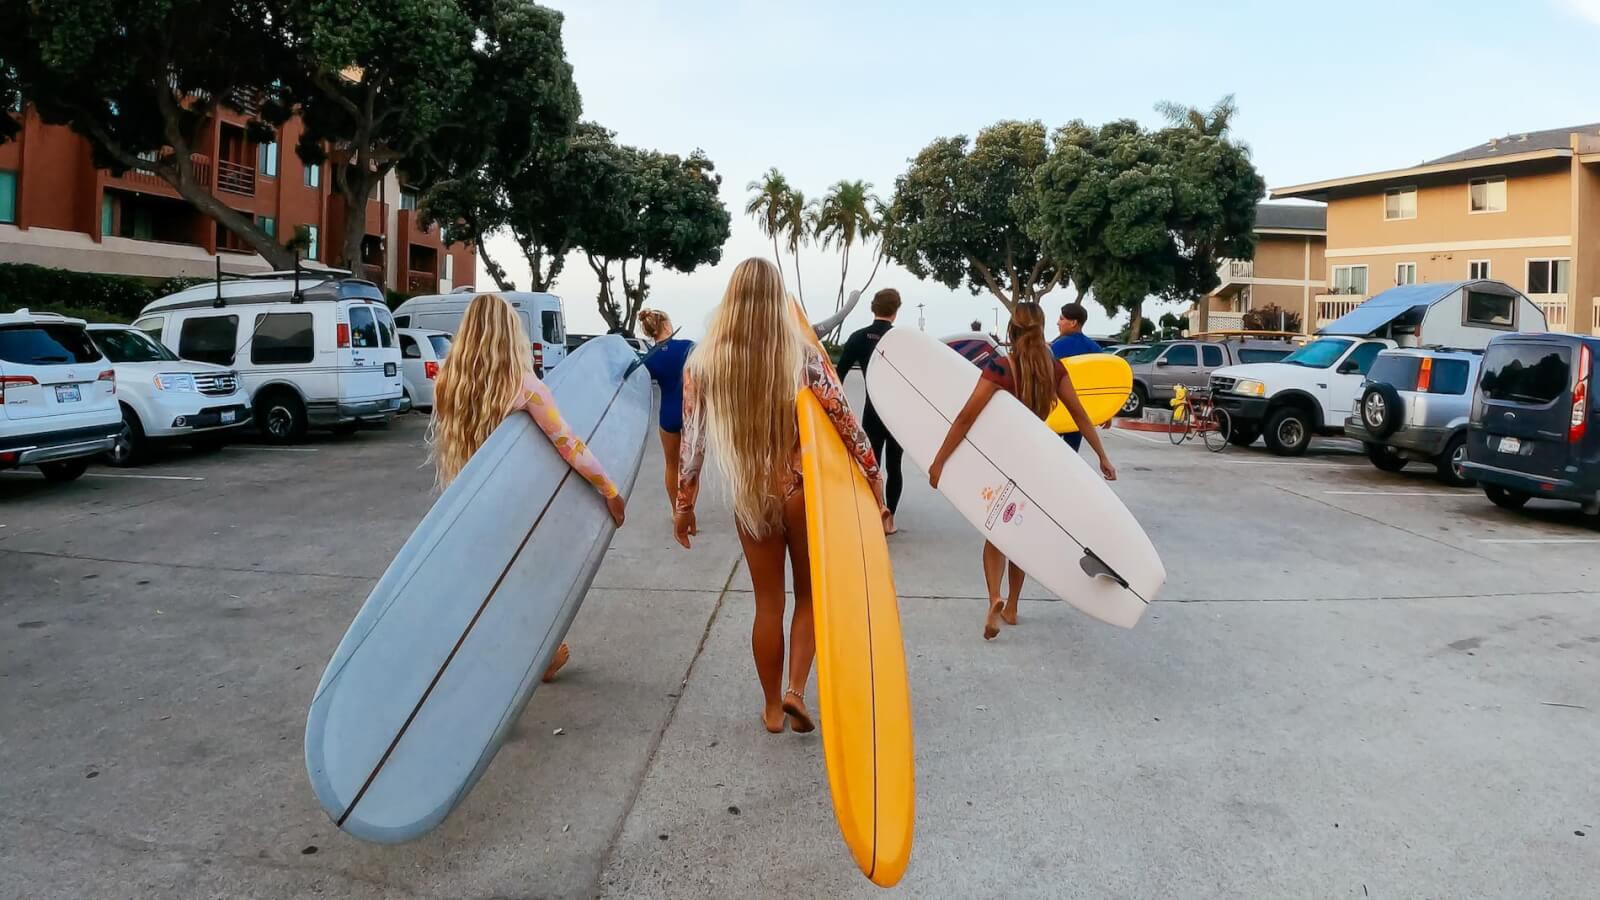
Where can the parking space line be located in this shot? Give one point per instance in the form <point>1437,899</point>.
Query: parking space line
<point>272,449</point>
<point>1539,540</point>
<point>1149,440</point>
<point>1278,462</point>
<point>1403,493</point>
<point>118,475</point>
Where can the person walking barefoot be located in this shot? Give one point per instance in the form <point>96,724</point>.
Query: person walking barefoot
<point>739,399</point>
<point>665,363</point>
<point>490,376</point>
<point>1032,375</point>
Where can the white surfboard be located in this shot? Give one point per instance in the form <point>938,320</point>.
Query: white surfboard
<point>1017,482</point>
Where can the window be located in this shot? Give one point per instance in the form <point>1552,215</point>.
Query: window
<point>1405,273</point>
<point>402,321</point>
<point>409,348</point>
<point>152,326</point>
<point>1363,356</point>
<point>209,339</point>
<point>1491,310</point>
<point>408,199</point>
<point>1398,369</point>
<point>1549,276</point>
<point>1350,280</point>
<point>550,322</point>
<point>1253,356</point>
<point>1211,355</point>
<point>385,325</point>
<point>1182,355</point>
<point>1449,377</point>
<point>8,197</point>
<point>128,345</point>
<point>267,158</point>
<point>313,176</point>
<point>269,225</point>
<point>441,344</point>
<point>107,215</point>
<point>311,242</point>
<point>1525,373</point>
<point>1487,195</point>
<point>282,339</point>
<point>39,344</point>
<point>363,328</point>
<point>1400,203</point>
<point>1478,268</point>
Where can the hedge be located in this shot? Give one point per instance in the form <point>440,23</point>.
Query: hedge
<point>85,295</point>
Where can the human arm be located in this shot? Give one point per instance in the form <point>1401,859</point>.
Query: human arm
<point>540,403</point>
<point>830,393</point>
<point>982,393</point>
<point>854,353</point>
<point>691,457</point>
<point>832,322</point>
<point>1069,398</point>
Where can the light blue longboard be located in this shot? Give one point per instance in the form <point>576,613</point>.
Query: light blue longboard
<point>452,641</point>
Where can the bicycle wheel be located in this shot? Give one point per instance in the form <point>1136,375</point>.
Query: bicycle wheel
<point>1218,430</point>
<point>1182,421</point>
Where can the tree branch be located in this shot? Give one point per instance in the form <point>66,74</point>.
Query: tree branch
<point>988,279</point>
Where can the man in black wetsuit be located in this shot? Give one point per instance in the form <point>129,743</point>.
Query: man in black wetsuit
<point>858,352</point>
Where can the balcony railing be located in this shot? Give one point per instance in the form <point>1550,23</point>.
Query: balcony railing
<point>372,273</point>
<point>422,283</point>
<point>1332,306</point>
<point>148,180</point>
<point>236,178</point>
<point>1554,307</point>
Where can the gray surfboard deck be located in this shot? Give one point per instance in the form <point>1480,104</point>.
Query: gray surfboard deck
<point>451,643</point>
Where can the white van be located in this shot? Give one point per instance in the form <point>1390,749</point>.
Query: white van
<point>542,315</point>
<point>313,352</point>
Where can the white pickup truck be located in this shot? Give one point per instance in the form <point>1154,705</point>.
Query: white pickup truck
<point>1312,390</point>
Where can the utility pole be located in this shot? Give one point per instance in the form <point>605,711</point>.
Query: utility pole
<point>922,321</point>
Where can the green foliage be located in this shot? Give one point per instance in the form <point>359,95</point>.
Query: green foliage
<point>83,295</point>
<point>1147,329</point>
<point>845,217</point>
<point>767,205</point>
<point>1272,317</point>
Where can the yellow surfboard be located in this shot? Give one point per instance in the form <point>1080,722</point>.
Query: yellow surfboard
<point>863,694</point>
<point>1103,382</point>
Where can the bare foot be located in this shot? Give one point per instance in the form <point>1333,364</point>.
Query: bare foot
<point>794,706</point>
<point>991,625</point>
<point>772,718</point>
<point>888,524</point>
<point>560,659</point>
<point>1010,612</point>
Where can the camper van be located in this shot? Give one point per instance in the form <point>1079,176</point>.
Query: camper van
<point>542,315</point>
<point>1311,390</point>
<point>312,351</point>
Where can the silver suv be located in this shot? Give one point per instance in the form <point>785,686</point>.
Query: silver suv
<point>1414,406</point>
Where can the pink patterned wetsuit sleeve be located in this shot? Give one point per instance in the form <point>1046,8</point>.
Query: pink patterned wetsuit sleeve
<point>541,404</point>
<point>825,385</point>
<point>692,451</point>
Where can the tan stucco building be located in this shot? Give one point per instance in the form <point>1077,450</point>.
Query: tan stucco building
<point>1287,272</point>
<point>1523,209</point>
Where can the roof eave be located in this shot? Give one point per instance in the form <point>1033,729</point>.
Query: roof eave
<point>1318,190</point>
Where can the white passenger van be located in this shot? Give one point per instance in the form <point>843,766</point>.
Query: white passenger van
<point>312,351</point>
<point>542,315</point>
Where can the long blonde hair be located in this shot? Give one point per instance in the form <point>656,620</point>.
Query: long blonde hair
<point>1033,366</point>
<point>746,372</point>
<point>479,383</point>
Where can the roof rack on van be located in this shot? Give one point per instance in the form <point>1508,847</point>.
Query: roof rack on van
<point>302,287</point>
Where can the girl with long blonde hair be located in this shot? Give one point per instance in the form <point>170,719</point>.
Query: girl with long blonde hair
<point>1033,375</point>
<point>739,397</point>
<point>665,363</point>
<point>488,377</point>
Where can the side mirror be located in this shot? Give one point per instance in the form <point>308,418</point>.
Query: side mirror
<point>1349,367</point>
<point>1162,361</point>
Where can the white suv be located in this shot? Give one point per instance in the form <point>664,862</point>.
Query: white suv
<point>163,396</point>
<point>58,395</point>
<point>422,352</point>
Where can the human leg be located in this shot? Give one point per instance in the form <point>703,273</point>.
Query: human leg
<point>994,564</point>
<point>764,555</point>
<point>802,626</point>
<point>1015,594</point>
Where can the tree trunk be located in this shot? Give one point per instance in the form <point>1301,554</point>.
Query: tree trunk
<point>799,286</point>
<point>777,255</point>
<point>607,302</point>
<point>1133,323</point>
<point>495,270</point>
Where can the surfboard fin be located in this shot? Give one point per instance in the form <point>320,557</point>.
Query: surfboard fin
<point>1095,567</point>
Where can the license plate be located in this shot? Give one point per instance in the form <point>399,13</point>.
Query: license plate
<point>68,393</point>
<point>1510,445</point>
<point>389,369</point>
<point>229,416</point>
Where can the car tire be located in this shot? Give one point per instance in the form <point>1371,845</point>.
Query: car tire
<point>1384,457</point>
<point>64,470</point>
<point>1288,431</point>
<point>1381,409</point>
<point>129,446</point>
<point>1504,497</point>
<point>1243,435</point>
<point>1134,406</point>
<point>1449,462</point>
<point>281,417</point>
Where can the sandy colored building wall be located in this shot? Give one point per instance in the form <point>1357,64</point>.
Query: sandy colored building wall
<point>1585,295</point>
<point>1538,205</point>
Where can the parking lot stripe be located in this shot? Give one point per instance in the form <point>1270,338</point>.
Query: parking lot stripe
<point>118,475</point>
<point>1284,462</point>
<point>272,449</point>
<point>1403,493</point>
<point>1139,437</point>
<point>1539,540</point>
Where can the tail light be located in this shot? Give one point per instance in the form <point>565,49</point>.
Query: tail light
<point>1579,423</point>
<point>538,355</point>
<point>430,369</point>
<point>111,376</point>
<point>1425,375</point>
<point>344,335</point>
<point>16,381</point>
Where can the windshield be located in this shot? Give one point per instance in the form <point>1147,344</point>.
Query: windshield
<point>130,347</point>
<point>441,344</point>
<point>1318,354</point>
<point>1147,354</point>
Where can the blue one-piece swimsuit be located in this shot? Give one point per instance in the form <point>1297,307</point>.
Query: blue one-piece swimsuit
<point>666,367</point>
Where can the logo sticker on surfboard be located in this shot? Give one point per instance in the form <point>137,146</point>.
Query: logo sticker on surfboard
<point>1002,507</point>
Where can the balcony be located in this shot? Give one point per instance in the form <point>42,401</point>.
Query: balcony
<point>372,273</point>
<point>236,178</point>
<point>1554,307</point>
<point>148,182</point>
<point>422,283</point>
<point>1332,306</point>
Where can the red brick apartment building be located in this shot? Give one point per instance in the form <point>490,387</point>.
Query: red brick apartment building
<point>58,210</point>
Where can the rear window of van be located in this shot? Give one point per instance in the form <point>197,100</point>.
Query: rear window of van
<point>1526,373</point>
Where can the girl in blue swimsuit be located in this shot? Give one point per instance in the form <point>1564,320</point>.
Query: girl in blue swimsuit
<point>666,367</point>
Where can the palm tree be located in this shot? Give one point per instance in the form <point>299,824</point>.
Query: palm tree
<point>767,207</point>
<point>845,217</point>
<point>1214,122</point>
<point>797,220</point>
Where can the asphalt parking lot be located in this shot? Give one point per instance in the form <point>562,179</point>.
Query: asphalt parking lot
<point>1355,684</point>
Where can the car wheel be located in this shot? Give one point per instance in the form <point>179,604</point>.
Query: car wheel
<point>64,470</point>
<point>1449,463</point>
<point>1136,402</point>
<point>281,417</point>
<point>1384,457</point>
<point>1243,435</point>
<point>127,449</point>
<point>1288,431</point>
<point>1381,409</point>
<point>1503,498</point>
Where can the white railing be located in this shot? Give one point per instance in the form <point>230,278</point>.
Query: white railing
<point>1554,307</point>
<point>1217,321</point>
<point>1332,306</point>
<point>1232,270</point>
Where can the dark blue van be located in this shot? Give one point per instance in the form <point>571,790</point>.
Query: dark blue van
<point>1535,426</point>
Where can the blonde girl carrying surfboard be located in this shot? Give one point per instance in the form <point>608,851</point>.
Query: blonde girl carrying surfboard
<point>1032,374</point>
<point>488,377</point>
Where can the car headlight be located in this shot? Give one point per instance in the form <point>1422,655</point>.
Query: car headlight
<point>175,382</point>
<point>1250,387</point>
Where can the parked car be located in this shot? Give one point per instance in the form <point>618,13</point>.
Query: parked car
<point>58,395</point>
<point>1125,350</point>
<point>976,346</point>
<point>163,397</point>
<point>543,316</point>
<point>1308,392</point>
<point>1414,406</point>
<point>422,351</point>
<point>312,352</point>
<point>1159,368</point>
<point>1535,422</point>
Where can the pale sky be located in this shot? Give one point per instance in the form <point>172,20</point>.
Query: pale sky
<point>830,90</point>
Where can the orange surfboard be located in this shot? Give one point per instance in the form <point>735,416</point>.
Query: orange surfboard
<point>863,693</point>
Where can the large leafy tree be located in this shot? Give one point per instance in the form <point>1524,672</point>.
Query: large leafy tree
<point>845,217</point>
<point>142,80</point>
<point>961,213</point>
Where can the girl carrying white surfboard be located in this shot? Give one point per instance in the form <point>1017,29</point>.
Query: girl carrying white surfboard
<point>1032,374</point>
